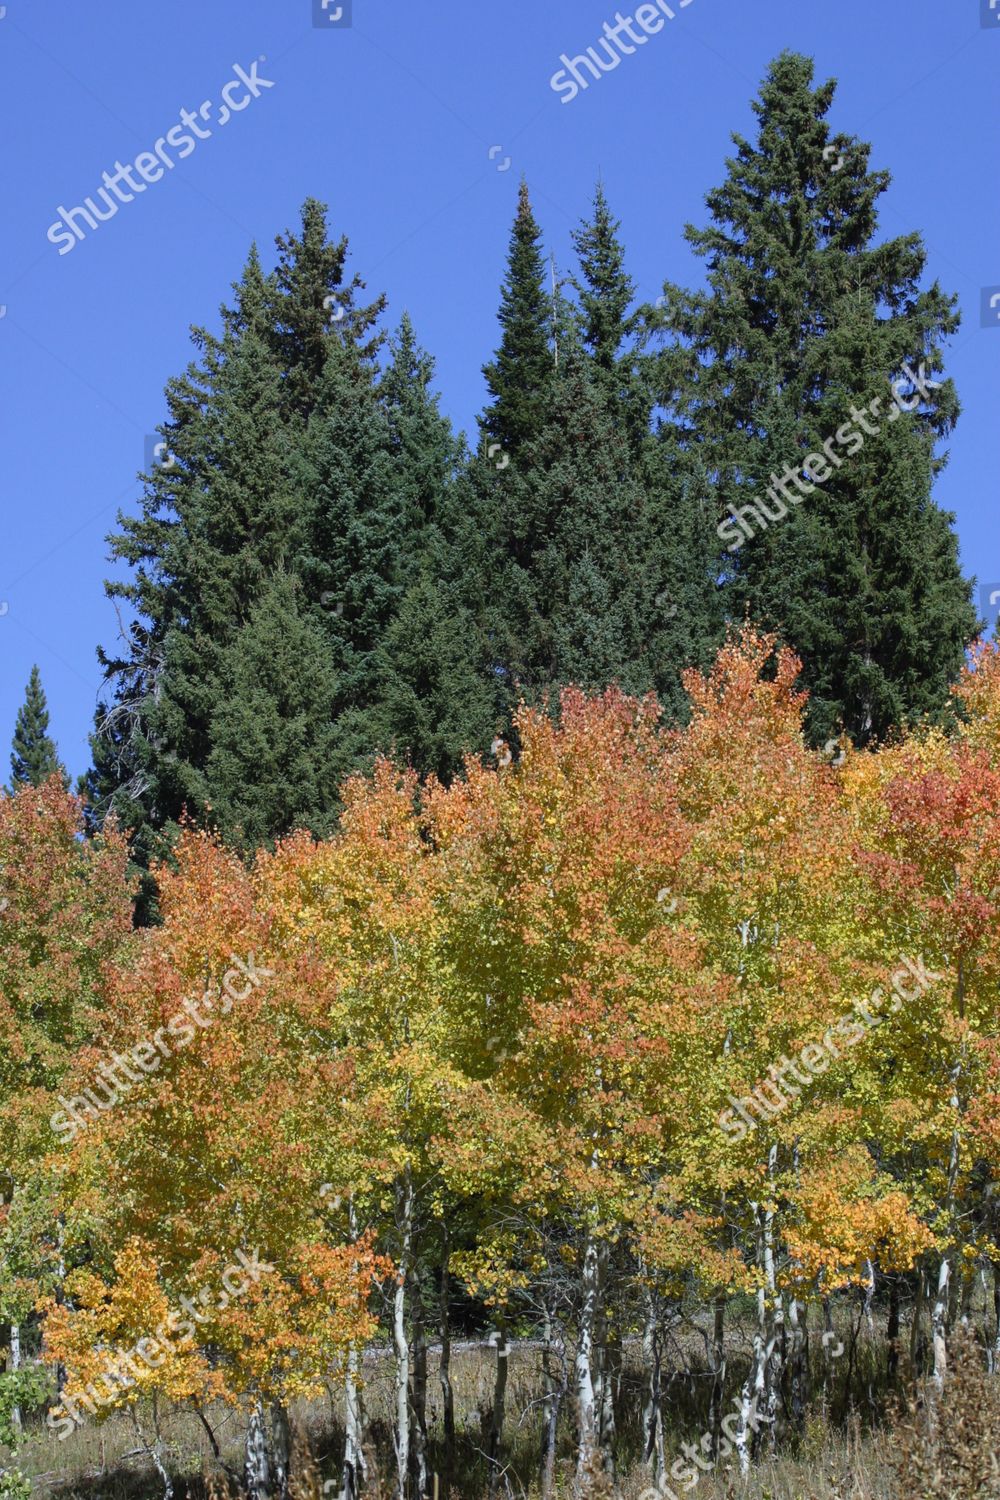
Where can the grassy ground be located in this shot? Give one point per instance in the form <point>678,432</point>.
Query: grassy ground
<point>843,1452</point>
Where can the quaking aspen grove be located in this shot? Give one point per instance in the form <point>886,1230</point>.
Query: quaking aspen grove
<point>640,1030</point>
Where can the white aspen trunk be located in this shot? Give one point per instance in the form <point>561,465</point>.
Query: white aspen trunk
<point>606,1368</point>
<point>419,1391</point>
<point>652,1418</point>
<point>555,1394</point>
<point>499,1413</point>
<point>583,1364</point>
<point>401,1344</point>
<point>15,1364</point>
<point>355,1469</point>
<point>281,1446</point>
<point>752,1386</point>
<point>939,1317</point>
<point>759,1394</point>
<point>940,1311</point>
<point>256,1467</point>
<point>799,1362</point>
<point>444,1365</point>
<point>869,1285</point>
<point>772,1313</point>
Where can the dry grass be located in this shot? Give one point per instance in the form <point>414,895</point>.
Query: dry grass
<point>944,1450</point>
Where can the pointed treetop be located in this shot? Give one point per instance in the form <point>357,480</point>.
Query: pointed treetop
<point>520,376</point>
<point>607,291</point>
<point>33,757</point>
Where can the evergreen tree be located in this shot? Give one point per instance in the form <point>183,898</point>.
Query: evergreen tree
<point>807,319</point>
<point>33,757</point>
<point>353,570</point>
<point>232,511</point>
<point>520,375</point>
<point>680,606</point>
<point>685,613</point>
<point>438,699</point>
<point>573,591</point>
<point>273,766</point>
<point>607,317</point>
<point>311,300</point>
<point>422,446</point>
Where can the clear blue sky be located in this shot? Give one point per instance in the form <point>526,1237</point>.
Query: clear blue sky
<point>392,122</point>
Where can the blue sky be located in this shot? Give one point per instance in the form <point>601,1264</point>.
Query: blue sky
<point>404,123</point>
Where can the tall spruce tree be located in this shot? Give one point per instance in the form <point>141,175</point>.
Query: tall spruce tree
<point>572,591</point>
<point>519,377</point>
<point>679,606</point>
<point>806,319</point>
<point>33,756</point>
<point>438,697</point>
<point>273,763</point>
<point>240,505</point>
<point>608,318</point>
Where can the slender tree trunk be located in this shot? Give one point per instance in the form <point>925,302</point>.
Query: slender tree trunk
<point>419,1389</point>
<point>799,1361</point>
<point>869,1286</point>
<point>758,1402</point>
<point>281,1447</point>
<point>652,1419</point>
<point>718,1395</point>
<point>773,1315</point>
<point>256,1465</point>
<point>996,1315</point>
<point>444,1367</point>
<point>916,1328</point>
<point>584,1362</point>
<point>555,1395</point>
<point>355,1468</point>
<point>15,1365</point>
<point>401,1344</point>
<point>499,1412</point>
<point>941,1309</point>
<point>939,1320</point>
<point>608,1367</point>
<point>892,1329</point>
<point>751,1400</point>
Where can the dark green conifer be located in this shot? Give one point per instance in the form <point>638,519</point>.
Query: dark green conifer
<point>806,319</point>
<point>33,756</point>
